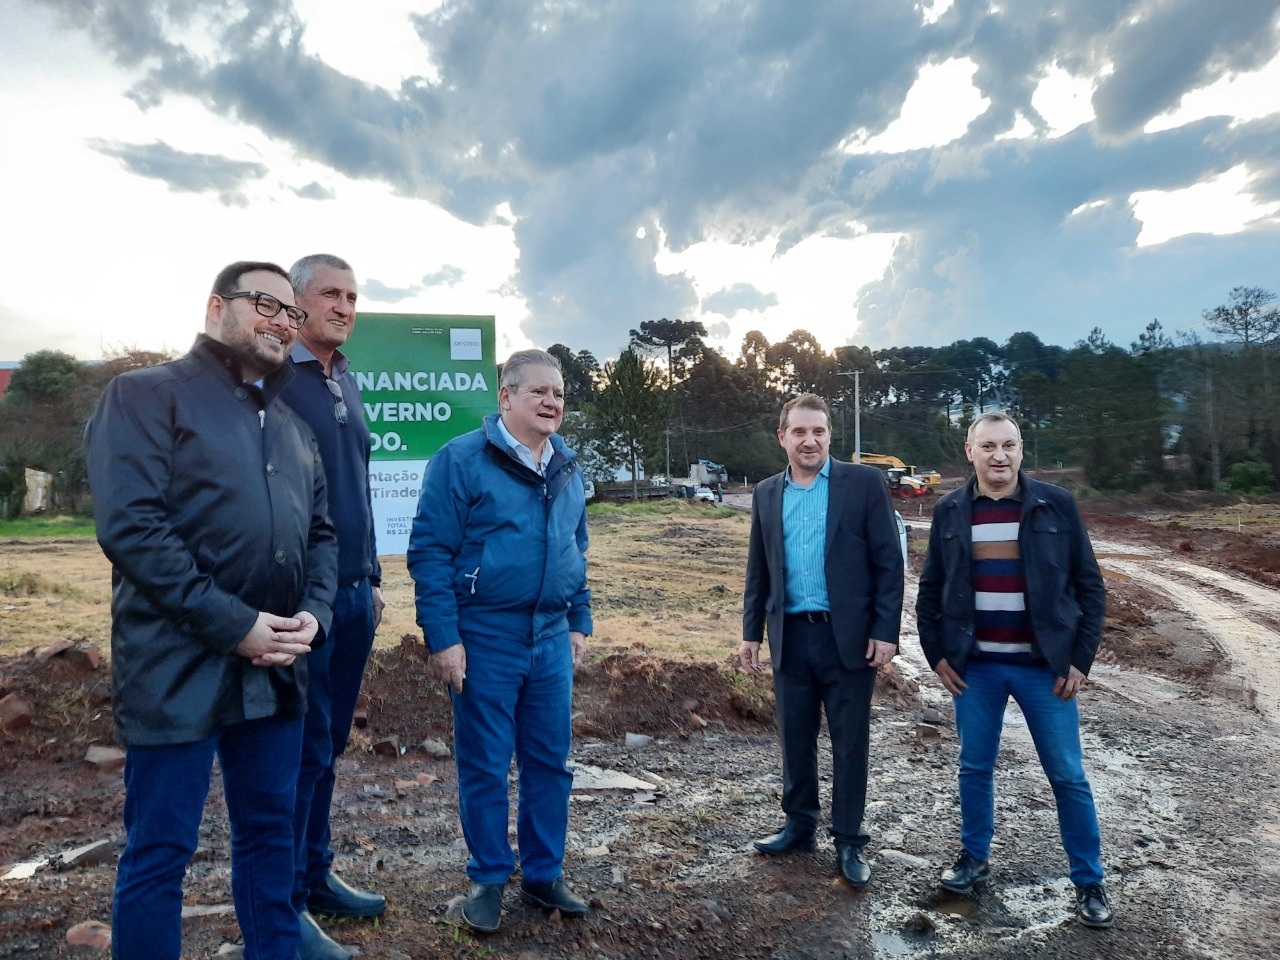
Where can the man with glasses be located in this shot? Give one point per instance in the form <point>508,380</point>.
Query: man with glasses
<point>498,558</point>
<point>325,395</point>
<point>209,499</point>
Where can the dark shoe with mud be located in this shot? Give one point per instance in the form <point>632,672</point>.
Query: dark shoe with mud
<point>337,899</point>
<point>315,944</point>
<point>964,873</point>
<point>1092,907</point>
<point>554,896</point>
<point>852,865</point>
<point>792,838</point>
<point>482,910</point>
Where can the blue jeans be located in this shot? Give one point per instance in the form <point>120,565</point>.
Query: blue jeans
<point>334,674</point>
<point>516,700</point>
<point>1055,728</point>
<point>165,791</point>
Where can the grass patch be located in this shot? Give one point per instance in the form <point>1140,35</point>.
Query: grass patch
<point>21,583</point>
<point>52,526</point>
<point>666,507</point>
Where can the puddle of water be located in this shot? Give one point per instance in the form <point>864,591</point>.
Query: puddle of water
<point>891,945</point>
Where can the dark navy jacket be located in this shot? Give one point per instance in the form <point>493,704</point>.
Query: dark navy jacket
<point>345,452</point>
<point>209,499</point>
<point>1065,595</point>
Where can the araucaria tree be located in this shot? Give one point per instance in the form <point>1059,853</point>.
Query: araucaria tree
<point>631,409</point>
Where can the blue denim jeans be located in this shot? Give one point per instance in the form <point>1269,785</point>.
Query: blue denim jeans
<point>334,674</point>
<point>165,791</point>
<point>516,700</point>
<point>1055,728</point>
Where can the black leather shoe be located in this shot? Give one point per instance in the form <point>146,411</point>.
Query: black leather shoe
<point>315,944</point>
<point>1092,907</point>
<point>482,910</point>
<point>792,838</point>
<point>964,873</point>
<point>852,865</point>
<point>553,896</point>
<point>337,899</point>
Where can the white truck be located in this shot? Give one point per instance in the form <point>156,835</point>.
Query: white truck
<point>706,473</point>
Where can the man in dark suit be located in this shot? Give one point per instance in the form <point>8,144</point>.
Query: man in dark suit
<point>824,576</point>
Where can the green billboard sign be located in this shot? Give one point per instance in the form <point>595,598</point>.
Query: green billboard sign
<point>424,379</point>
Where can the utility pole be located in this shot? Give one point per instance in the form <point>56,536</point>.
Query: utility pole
<point>668,433</point>
<point>857,411</point>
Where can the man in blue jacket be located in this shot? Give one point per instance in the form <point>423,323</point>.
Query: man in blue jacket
<point>498,557</point>
<point>209,499</point>
<point>1011,604</point>
<point>324,393</point>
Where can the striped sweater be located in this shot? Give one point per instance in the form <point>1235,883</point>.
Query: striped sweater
<point>1002,628</point>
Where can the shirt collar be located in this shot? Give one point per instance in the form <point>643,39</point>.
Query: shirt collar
<point>825,472</point>
<point>1015,496</point>
<point>302,354</point>
<point>548,451</point>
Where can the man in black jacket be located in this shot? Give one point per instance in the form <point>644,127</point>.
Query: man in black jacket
<point>209,499</point>
<point>824,576</point>
<point>1011,604</point>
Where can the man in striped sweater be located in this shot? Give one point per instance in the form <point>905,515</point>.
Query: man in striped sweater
<point>1011,604</point>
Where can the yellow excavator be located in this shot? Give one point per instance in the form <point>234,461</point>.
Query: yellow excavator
<point>906,480</point>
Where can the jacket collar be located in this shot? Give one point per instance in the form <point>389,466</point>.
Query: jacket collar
<point>218,356</point>
<point>562,454</point>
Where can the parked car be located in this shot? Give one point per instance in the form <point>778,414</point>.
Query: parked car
<point>902,534</point>
<point>704,493</point>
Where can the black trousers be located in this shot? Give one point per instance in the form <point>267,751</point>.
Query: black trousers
<point>811,678</point>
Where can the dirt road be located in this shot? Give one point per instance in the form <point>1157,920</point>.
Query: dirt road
<point>1183,762</point>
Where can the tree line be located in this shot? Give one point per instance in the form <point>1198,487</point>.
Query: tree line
<point>1195,409</point>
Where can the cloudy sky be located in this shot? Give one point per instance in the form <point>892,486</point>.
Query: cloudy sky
<point>882,172</point>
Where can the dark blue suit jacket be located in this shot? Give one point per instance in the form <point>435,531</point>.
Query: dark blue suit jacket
<point>863,564</point>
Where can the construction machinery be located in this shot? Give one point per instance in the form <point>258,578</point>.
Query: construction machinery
<point>905,480</point>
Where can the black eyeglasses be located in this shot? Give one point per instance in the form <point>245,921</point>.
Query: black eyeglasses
<point>269,306</point>
<point>339,402</point>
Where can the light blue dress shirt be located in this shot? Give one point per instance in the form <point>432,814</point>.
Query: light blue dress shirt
<point>525,454</point>
<point>804,541</point>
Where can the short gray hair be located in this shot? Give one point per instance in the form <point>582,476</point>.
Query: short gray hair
<point>300,272</point>
<point>993,416</point>
<point>513,371</point>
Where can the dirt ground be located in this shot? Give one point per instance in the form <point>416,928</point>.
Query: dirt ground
<point>1179,724</point>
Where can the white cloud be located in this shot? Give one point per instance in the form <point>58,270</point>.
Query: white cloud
<point>383,50</point>
<point>932,11</point>
<point>1063,100</point>
<point>1222,205</point>
<point>937,110</point>
<point>1244,96</point>
<point>815,283</point>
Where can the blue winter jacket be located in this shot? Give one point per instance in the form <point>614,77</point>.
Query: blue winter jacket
<point>497,550</point>
<point>1066,597</point>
